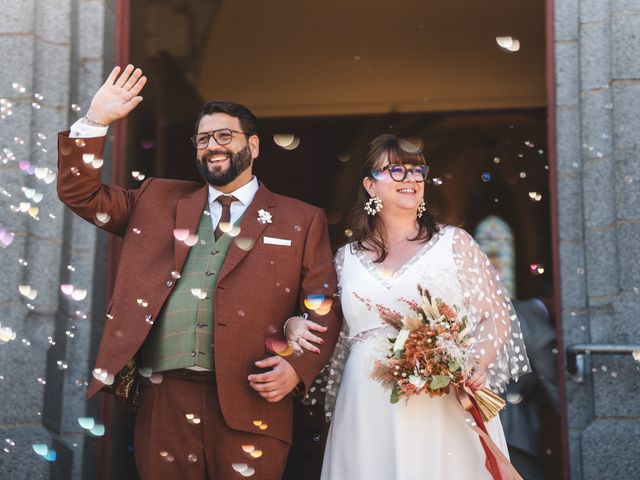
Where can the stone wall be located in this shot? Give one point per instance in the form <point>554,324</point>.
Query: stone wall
<point>597,45</point>
<point>52,54</point>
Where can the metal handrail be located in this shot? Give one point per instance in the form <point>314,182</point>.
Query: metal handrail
<point>580,349</point>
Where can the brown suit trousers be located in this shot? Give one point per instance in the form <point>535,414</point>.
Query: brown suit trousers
<point>180,434</point>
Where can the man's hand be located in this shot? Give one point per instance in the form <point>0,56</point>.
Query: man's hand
<point>117,96</point>
<point>275,384</point>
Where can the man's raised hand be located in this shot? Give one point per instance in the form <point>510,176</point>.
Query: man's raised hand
<point>117,96</point>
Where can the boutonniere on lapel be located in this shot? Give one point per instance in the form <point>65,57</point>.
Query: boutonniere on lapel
<point>264,216</point>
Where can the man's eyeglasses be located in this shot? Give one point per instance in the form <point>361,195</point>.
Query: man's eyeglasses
<point>399,173</point>
<point>223,136</point>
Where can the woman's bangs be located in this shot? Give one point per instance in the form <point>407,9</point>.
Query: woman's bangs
<point>399,156</point>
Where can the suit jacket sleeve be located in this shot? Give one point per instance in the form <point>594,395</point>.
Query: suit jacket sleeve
<point>80,185</point>
<point>318,277</point>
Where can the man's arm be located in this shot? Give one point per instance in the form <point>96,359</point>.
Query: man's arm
<point>318,278</point>
<point>79,159</point>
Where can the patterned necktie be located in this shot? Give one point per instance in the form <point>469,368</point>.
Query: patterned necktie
<point>225,201</point>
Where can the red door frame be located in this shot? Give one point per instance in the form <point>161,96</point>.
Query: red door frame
<point>555,238</point>
<point>118,163</point>
<point>122,26</point>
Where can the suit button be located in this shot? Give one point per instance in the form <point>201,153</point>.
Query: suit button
<point>193,354</point>
<point>169,283</point>
<point>215,252</point>
<point>200,324</point>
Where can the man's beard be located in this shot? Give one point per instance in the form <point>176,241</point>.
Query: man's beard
<point>218,177</point>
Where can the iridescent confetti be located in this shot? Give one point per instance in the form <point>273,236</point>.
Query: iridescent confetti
<point>287,141</point>
<point>28,292</point>
<point>87,422</point>
<point>102,218</point>
<point>411,145</point>
<point>166,456</point>
<point>508,44</point>
<point>535,196</point>
<point>197,292</point>
<point>279,346</point>
<point>229,228</point>
<point>5,108</point>
<point>45,452</point>
<point>192,418</point>
<point>6,238</point>
<point>536,268</point>
<point>244,243</point>
<point>103,376</point>
<point>313,302</point>
<point>6,334</point>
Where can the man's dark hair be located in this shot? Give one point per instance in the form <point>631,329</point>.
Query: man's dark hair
<point>248,120</point>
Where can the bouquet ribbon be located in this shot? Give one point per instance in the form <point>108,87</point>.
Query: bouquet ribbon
<point>497,463</point>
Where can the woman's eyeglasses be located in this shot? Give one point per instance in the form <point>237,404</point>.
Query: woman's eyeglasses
<point>399,172</point>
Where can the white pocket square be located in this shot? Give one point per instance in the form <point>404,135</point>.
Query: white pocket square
<point>276,241</point>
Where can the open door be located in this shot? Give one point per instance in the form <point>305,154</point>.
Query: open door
<point>335,75</point>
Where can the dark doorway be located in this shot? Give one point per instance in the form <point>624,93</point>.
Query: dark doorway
<point>334,76</point>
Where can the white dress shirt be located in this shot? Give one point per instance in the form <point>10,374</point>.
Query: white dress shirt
<point>84,130</point>
<point>244,194</point>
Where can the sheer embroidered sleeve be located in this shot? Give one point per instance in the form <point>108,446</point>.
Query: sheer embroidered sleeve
<point>498,344</point>
<point>325,388</point>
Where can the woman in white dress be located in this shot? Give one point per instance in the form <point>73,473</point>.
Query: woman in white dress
<point>397,247</point>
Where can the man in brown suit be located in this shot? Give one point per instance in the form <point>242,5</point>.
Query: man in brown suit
<point>207,277</point>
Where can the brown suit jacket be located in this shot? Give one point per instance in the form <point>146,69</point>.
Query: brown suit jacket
<point>257,290</point>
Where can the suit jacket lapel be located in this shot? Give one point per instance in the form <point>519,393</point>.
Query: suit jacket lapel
<point>188,213</point>
<point>250,228</point>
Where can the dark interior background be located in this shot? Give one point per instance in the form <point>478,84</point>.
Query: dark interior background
<point>336,76</point>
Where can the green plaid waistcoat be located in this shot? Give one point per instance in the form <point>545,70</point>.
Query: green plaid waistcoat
<point>182,335</point>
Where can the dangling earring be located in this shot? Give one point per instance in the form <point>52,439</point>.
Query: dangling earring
<point>373,206</point>
<point>421,208</point>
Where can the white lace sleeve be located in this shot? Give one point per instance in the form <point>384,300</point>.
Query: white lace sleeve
<point>332,373</point>
<point>498,339</point>
<point>328,381</point>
